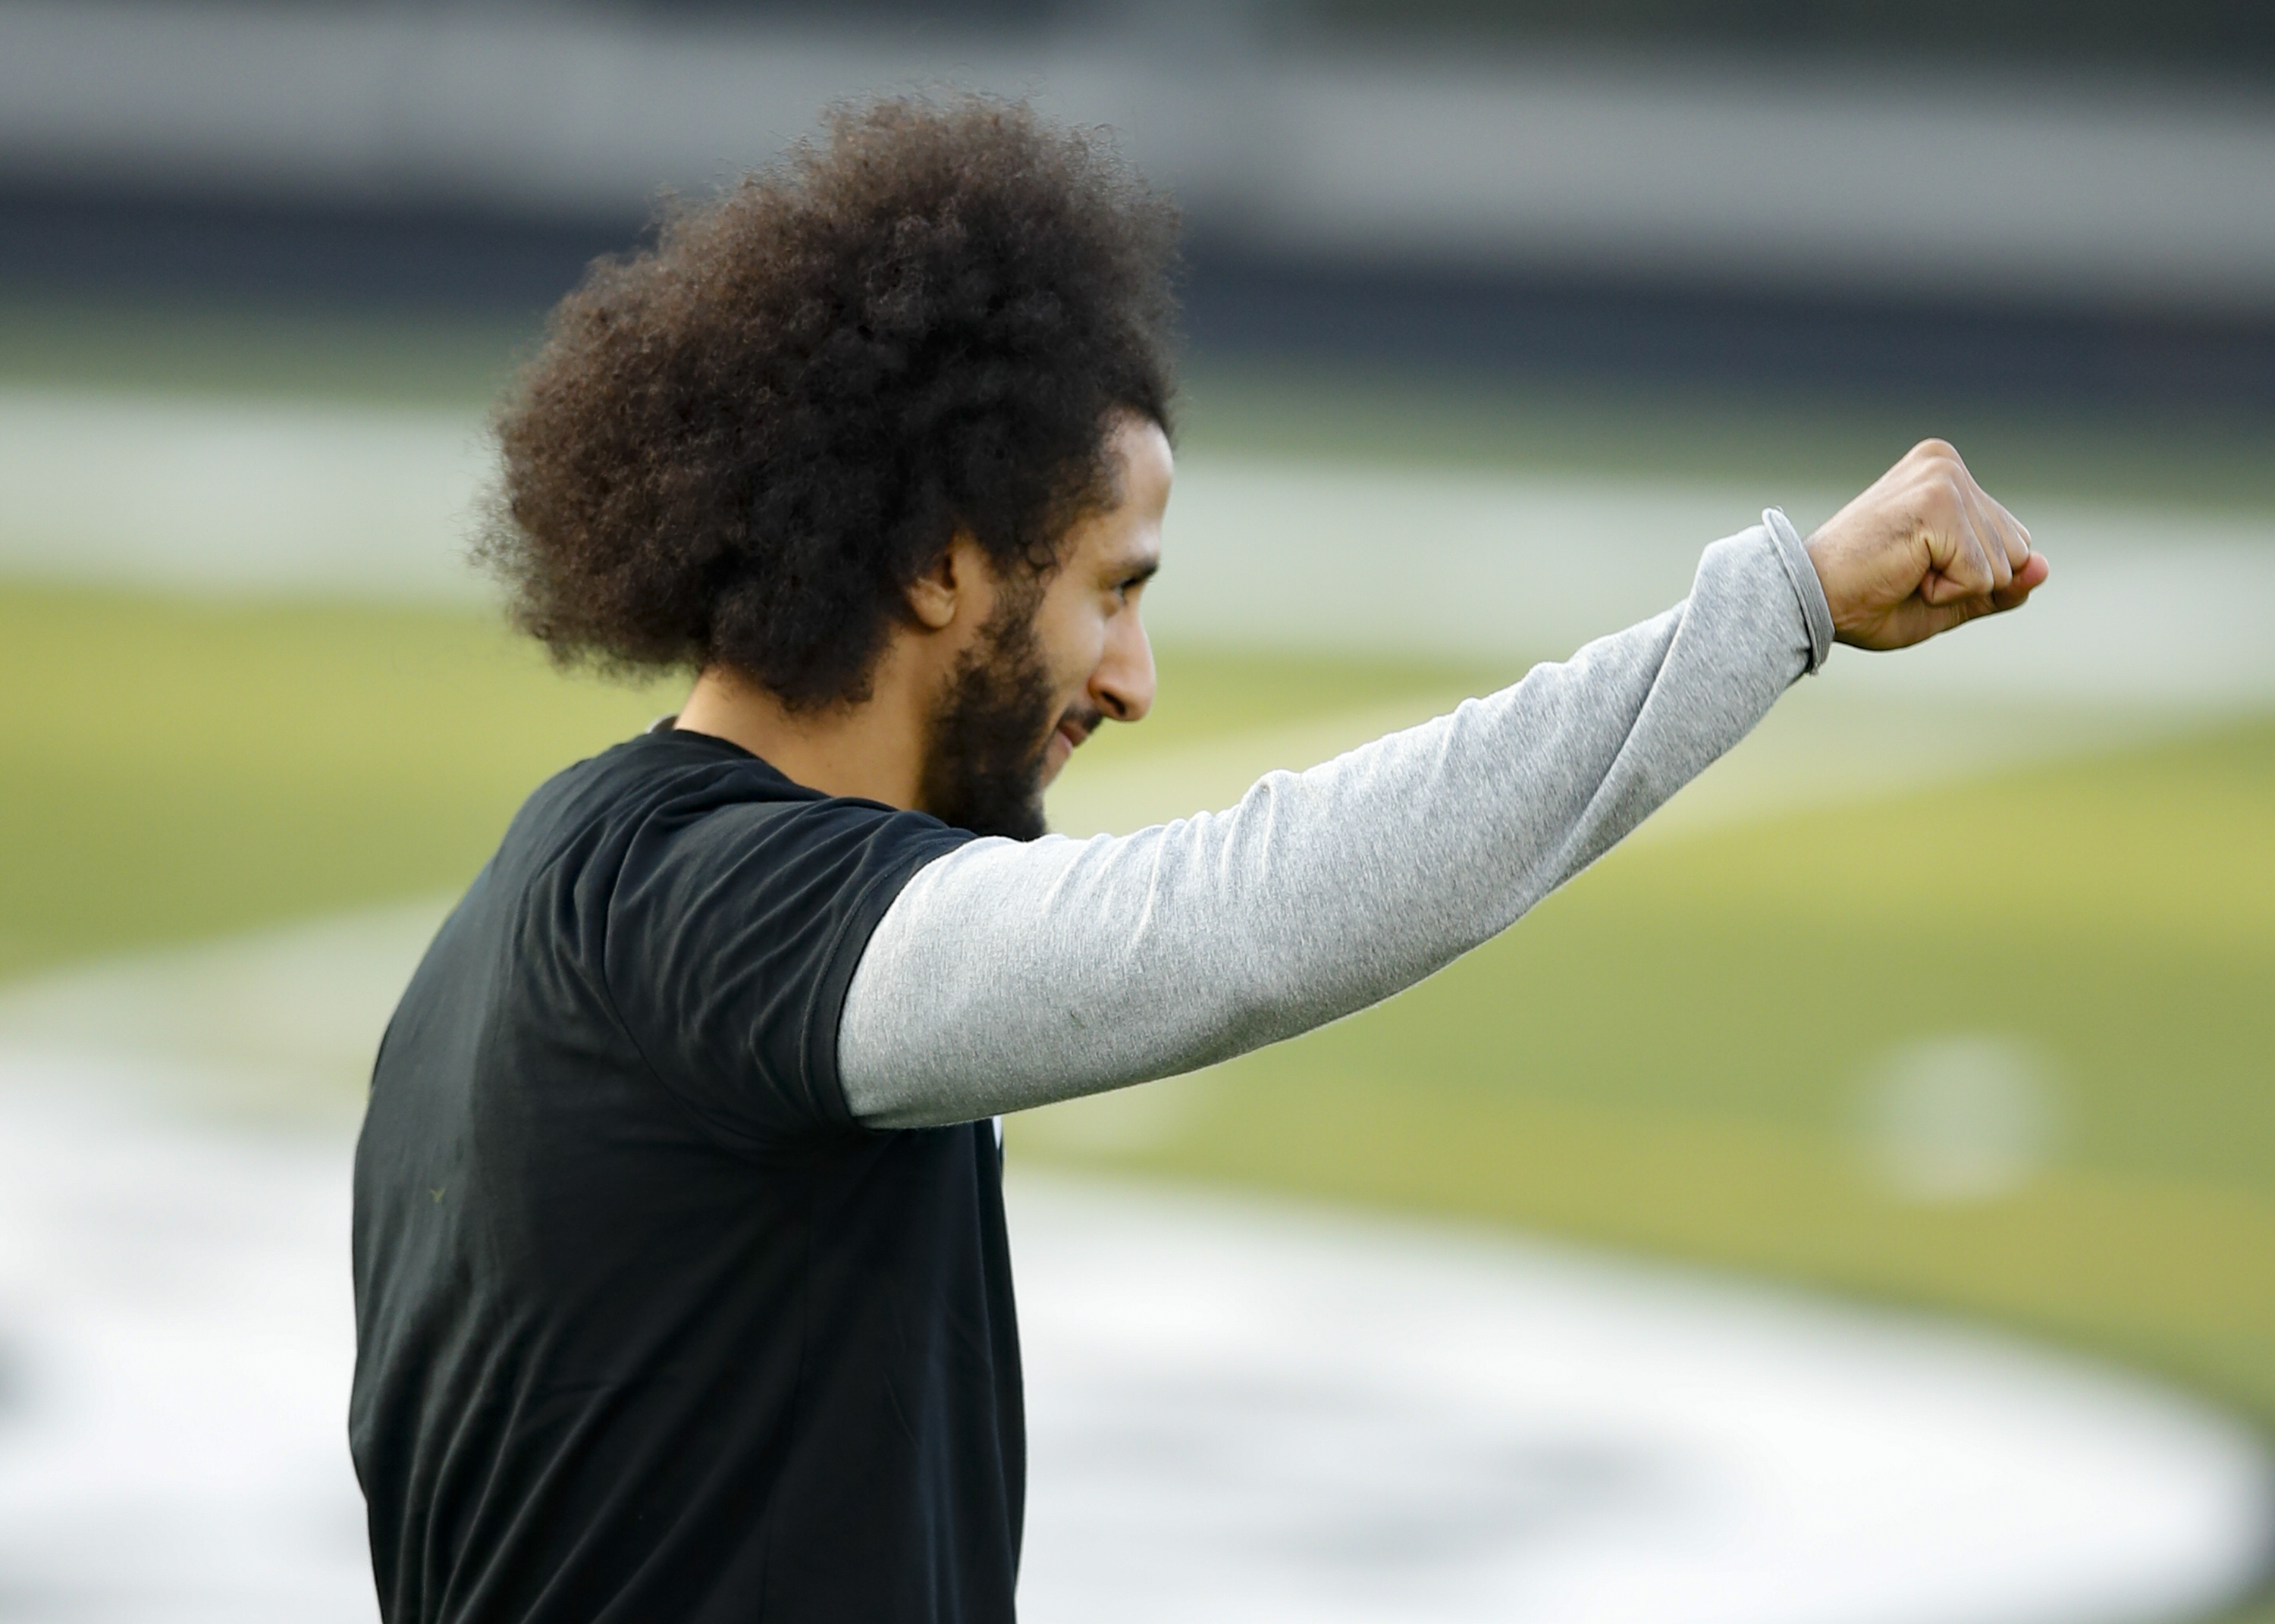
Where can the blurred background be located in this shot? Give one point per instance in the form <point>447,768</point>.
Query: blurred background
<point>1950,994</point>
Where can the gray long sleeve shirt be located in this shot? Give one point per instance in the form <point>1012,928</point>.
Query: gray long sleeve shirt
<point>1007,974</point>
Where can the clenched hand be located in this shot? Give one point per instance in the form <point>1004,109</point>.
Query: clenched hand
<point>1922,550</point>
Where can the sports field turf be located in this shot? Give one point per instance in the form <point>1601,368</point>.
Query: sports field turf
<point>1672,1054</point>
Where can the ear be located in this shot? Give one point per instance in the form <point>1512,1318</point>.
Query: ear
<point>940,589</point>
<point>932,595</point>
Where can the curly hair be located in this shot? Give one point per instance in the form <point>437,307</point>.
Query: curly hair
<point>742,444</point>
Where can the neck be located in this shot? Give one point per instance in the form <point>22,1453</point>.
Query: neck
<point>874,749</point>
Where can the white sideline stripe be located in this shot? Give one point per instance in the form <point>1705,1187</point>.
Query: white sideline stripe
<point>1821,747</point>
<point>2145,607</point>
<point>275,1024</point>
<point>226,496</point>
<point>1240,1411</point>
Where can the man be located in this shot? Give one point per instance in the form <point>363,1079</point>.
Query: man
<point>682,1282</point>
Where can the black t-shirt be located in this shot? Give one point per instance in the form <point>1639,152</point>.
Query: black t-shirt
<point>648,1327</point>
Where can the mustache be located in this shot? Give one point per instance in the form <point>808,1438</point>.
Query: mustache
<point>1085,719</point>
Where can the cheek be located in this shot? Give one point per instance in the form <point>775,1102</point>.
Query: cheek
<point>1073,647</point>
<point>1078,672</point>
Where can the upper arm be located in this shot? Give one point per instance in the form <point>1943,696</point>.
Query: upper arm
<point>730,939</point>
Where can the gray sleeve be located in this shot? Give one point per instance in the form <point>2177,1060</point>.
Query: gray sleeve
<point>1009,975</point>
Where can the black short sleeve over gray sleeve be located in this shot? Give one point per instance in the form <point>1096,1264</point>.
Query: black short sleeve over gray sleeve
<point>728,932</point>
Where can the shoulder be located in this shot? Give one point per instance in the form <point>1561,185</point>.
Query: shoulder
<point>697,812</point>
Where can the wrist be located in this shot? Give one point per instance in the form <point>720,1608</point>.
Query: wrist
<point>1807,584</point>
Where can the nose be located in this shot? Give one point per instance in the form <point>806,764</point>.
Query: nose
<point>1122,685</point>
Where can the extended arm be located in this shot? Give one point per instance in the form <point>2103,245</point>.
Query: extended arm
<point>1010,975</point>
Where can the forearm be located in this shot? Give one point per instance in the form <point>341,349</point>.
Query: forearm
<point>1010,975</point>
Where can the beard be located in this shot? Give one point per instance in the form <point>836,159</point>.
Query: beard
<point>990,734</point>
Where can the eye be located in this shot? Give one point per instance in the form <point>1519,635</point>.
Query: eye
<point>1124,589</point>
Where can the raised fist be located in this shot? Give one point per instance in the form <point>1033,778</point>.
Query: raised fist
<point>1921,551</point>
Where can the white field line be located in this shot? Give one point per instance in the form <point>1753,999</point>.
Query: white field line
<point>277,1025</point>
<point>1820,747</point>
<point>236,496</point>
<point>2145,607</point>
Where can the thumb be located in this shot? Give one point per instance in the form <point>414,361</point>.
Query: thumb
<point>2026,580</point>
<point>1939,618</point>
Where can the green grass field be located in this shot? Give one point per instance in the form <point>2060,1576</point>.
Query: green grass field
<point>1669,1055</point>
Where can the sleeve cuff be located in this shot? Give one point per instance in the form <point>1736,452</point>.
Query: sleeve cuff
<point>1815,611</point>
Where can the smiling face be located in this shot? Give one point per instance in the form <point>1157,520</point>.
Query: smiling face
<point>1054,661</point>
